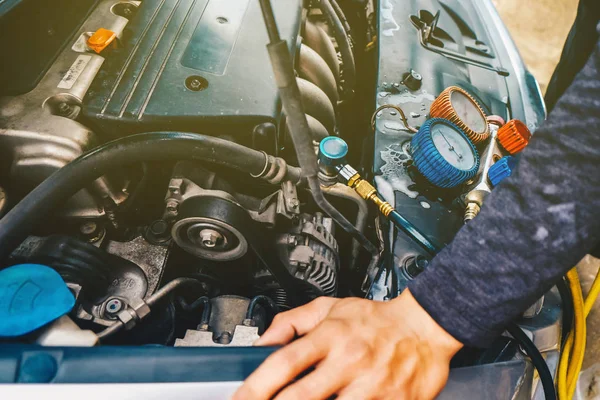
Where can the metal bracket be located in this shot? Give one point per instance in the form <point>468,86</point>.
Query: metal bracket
<point>425,36</point>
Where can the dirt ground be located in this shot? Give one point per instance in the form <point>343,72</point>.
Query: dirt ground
<point>539,28</point>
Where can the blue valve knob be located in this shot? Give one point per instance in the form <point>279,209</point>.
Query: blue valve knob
<point>501,170</point>
<point>332,152</point>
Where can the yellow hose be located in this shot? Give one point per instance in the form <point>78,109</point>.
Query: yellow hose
<point>573,352</point>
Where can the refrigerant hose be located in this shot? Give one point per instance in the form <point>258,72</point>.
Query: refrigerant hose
<point>573,352</point>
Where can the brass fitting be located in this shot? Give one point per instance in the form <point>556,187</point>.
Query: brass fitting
<point>471,211</point>
<point>369,193</point>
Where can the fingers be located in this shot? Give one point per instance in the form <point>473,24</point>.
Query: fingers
<point>297,322</point>
<point>320,384</point>
<point>280,368</point>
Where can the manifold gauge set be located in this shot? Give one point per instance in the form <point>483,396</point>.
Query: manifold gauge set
<point>451,147</point>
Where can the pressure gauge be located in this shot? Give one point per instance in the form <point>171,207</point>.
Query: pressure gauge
<point>459,107</point>
<point>443,153</point>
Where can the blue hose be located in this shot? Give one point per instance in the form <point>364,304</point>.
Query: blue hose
<point>413,232</point>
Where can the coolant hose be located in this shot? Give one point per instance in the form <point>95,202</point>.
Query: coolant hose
<point>18,223</point>
<point>283,70</point>
<point>343,41</point>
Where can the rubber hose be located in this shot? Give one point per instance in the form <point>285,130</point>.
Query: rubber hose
<point>200,301</point>
<point>159,146</point>
<point>301,137</point>
<point>264,301</point>
<point>567,309</point>
<point>536,358</point>
<point>414,233</point>
<point>343,41</point>
<point>579,337</point>
<point>340,13</point>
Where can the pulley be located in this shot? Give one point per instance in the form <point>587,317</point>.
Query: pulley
<point>207,227</point>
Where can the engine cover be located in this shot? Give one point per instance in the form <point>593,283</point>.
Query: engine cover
<point>191,65</point>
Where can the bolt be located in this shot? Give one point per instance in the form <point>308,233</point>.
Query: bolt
<point>415,265</point>
<point>195,84</point>
<point>64,108</point>
<point>88,228</point>
<point>294,203</point>
<point>113,306</point>
<point>210,238</point>
<point>225,338</point>
<point>159,227</point>
<point>292,240</point>
<point>172,206</point>
<point>127,10</point>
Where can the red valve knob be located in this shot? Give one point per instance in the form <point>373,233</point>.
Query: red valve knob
<point>514,136</point>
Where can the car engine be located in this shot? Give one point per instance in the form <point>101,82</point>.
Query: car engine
<point>188,183</point>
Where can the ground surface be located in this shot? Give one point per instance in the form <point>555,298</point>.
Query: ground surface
<point>539,27</point>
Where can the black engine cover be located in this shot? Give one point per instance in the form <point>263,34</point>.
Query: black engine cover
<point>148,83</point>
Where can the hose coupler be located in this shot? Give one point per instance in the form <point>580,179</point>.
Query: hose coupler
<point>364,189</point>
<point>471,212</point>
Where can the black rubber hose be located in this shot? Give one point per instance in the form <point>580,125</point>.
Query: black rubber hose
<point>283,70</point>
<point>200,301</point>
<point>340,13</point>
<point>343,41</point>
<point>301,137</point>
<point>567,309</point>
<point>159,146</point>
<point>265,301</point>
<point>536,358</point>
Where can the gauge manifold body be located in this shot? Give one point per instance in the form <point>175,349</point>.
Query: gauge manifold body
<point>443,153</point>
<point>514,136</point>
<point>459,107</point>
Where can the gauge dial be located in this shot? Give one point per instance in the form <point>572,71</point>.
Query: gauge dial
<point>458,106</point>
<point>453,146</point>
<point>443,153</point>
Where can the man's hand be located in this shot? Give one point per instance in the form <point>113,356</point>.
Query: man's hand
<point>360,349</point>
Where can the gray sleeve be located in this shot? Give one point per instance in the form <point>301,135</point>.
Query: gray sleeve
<point>532,229</point>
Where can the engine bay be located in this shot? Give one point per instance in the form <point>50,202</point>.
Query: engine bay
<point>187,183</point>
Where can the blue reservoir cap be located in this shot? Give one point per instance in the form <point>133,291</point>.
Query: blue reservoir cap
<point>501,170</point>
<point>332,150</point>
<point>31,296</point>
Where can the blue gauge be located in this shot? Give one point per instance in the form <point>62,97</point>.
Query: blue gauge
<point>443,153</point>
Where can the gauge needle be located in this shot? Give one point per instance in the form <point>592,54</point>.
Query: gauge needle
<point>450,147</point>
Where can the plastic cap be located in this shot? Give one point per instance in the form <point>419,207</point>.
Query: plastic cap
<point>101,39</point>
<point>332,150</point>
<point>31,296</point>
<point>501,170</point>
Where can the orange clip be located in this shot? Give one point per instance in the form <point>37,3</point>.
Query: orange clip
<point>101,39</point>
